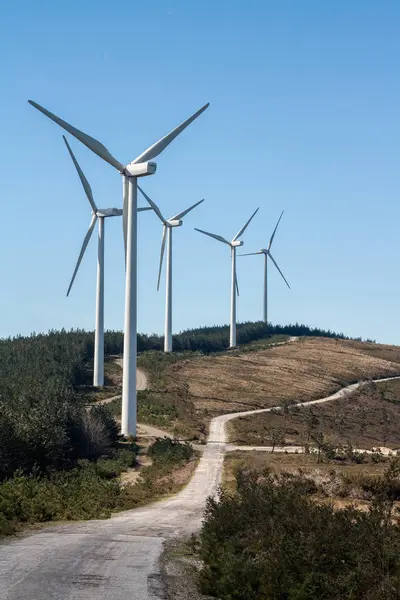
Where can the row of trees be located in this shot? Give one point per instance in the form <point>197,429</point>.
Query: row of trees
<point>216,338</point>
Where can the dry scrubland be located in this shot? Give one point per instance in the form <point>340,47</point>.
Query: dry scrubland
<point>188,390</point>
<point>367,418</point>
<point>339,481</point>
<point>306,369</point>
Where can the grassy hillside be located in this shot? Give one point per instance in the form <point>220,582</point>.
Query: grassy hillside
<point>368,417</point>
<point>306,369</point>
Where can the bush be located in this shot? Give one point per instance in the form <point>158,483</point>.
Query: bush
<point>273,541</point>
<point>166,450</point>
<point>88,491</point>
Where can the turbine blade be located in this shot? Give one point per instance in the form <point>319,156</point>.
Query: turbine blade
<point>237,285</point>
<point>275,263</point>
<point>83,249</point>
<point>185,212</point>
<point>161,255</point>
<point>84,181</point>
<point>213,235</point>
<point>159,146</point>
<point>142,208</point>
<point>91,143</point>
<point>239,233</point>
<point>153,206</point>
<point>274,232</point>
<point>250,254</point>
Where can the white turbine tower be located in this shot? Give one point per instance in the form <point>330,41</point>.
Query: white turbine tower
<point>97,214</point>
<point>139,167</point>
<point>267,253</point>
<point>234,284</point>
<point>168,225</point>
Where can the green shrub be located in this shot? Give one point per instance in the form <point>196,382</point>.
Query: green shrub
<point>90,490</point>
<point>273,541</point>
<point>120,461</point>
<point>166,450</point>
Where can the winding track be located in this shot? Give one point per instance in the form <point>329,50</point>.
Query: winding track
<point>118,558</point>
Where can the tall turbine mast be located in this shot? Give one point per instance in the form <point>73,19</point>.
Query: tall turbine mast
<point>168,225</point>
<point>235,243</point>
<point>267,253</point>
<point>139,167</point>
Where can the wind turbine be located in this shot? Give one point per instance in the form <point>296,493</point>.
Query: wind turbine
<point>267,253</point>
<point>168,225</point>
<point>97,214</point>
<point>139,167</point>
<point>235,243</point>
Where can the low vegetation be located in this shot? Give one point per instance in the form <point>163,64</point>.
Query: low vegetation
<point>307,369</point>
<point>171,410</point>
<point>336,474</point>
<point>91,489</point>
<point>274,539</point>
<point>366,418</point>
<point>88,490</point>
<point>172,465</point>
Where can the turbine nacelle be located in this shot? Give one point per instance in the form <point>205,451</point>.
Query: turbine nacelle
<point>174,223</point>
<point>236,244</point>
<point>140,169</point>
<point>267,254</point>
<point>109,212</point>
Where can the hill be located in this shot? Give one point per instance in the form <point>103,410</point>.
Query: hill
<point>305,369</point>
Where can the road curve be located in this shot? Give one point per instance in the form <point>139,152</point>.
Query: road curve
<point>141,384</point>
<point>117,559</point>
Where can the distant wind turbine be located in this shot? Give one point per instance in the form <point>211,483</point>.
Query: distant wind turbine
<point>141,166</point>
<point>97,214</point>
<point>168,224</point>
<point>234,283</point>
<point>267,253</point>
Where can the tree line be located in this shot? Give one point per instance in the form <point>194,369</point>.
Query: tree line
<point>216,337</point>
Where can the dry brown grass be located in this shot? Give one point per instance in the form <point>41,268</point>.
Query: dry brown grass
<point>382,351</point>
<point>307,369</point>
<point>292,463</point>
<point>367,418</point>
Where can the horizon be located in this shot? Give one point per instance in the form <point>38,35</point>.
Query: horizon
<point>202,327</point>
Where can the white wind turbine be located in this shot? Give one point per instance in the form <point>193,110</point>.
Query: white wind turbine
<point>139,167</point>
<point>168,225</point>
<point>267,253</point>
<point>97,214</point>
<point>234,284</point>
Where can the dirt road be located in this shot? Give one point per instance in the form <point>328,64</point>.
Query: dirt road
<point>118,558</point>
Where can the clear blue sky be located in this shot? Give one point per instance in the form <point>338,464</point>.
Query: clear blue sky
<point>304,116</point>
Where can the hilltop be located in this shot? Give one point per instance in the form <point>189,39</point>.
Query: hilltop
<point>255,377</point>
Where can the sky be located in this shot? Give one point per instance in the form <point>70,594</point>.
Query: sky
<point>304,116</point>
